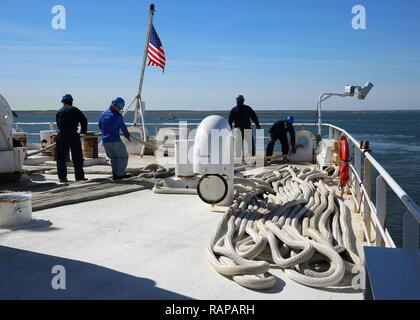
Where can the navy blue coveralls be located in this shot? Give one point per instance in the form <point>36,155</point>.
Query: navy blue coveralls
<point>240,117</point>
<point>68,119</point>
<point>279,132</point>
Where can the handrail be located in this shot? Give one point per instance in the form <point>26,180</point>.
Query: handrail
<point>384,235</point>
<point>412,216</point>
<point>402,195</point>
<point>264,124</point>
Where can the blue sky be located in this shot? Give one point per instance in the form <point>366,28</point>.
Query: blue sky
<point>280,54</point>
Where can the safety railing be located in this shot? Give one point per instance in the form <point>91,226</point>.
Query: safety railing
<point>156,125</point>
<point>362,166</point>
<point>375,214</point>
<point>53,125</point>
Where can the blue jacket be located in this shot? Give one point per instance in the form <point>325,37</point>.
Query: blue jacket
<point>110,123</point>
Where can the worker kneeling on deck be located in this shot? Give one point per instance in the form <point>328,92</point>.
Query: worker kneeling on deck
<point>68,119</point>
<point>279,132</point>
<point>111,123</point>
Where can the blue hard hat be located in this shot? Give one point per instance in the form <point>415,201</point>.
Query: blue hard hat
<point>290,119</point>
<point>119,102</point>
<point>67,97</point>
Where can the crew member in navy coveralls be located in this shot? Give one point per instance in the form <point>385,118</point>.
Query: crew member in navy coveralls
<point>279,132</point>
<point>240,117</point>
<point>68,119</point>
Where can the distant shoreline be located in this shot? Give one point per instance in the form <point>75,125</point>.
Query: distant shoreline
<point>192,112</point>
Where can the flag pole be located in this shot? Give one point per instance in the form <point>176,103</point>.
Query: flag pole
<point>138,111</point>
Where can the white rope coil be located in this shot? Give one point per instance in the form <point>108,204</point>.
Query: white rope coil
<point>290,218</point>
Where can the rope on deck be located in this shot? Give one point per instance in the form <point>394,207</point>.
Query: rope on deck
<point>98,189</point>
<point>291,218</point>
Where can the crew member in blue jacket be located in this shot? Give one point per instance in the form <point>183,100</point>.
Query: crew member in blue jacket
<point>68,119</point>
<point>111,123</point>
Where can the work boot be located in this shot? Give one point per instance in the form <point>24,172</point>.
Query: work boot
<point>125,176</point>
<point>64,180</point>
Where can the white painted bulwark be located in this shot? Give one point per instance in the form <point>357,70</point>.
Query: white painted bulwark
<point>7,161</point>
<point>133,147</point>
<point>304,152</point>
<point>15,209</point>
<point>324,153</point>
<point>183,154</point>
<point>11,161</point>
<point>19,155</point>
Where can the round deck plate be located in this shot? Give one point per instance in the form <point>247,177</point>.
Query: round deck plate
<point>212,189</point>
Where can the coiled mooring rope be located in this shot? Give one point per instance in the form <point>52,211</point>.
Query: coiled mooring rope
<point>290,218</point>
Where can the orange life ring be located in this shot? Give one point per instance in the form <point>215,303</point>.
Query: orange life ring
<point>344,161</point>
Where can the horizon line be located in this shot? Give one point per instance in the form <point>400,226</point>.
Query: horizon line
<point>227,110</point>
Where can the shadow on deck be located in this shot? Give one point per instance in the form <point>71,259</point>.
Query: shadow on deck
<point>28,275</point>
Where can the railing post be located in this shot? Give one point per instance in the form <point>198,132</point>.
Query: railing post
<point>410,231</point>
<point>330,132</point>
<point>358,168</point>
<point>380,207</point>
<point>367,182</point>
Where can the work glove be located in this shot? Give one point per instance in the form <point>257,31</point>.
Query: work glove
<point>127,136</point>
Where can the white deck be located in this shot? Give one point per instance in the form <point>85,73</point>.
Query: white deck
<point>136,246</point>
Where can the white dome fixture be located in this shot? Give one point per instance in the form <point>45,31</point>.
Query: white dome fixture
<point>6,125</point>
<point>214,161</point>
<point>11,159</point>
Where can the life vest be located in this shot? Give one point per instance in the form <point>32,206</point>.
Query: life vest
<point>344,161</point>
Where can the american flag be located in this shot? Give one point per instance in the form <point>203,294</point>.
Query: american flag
<point>155,51</point>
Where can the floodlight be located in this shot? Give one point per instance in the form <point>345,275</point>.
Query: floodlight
<point>364,91</point>
<point>349,91</point>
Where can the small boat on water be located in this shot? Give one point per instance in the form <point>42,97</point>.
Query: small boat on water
<point>198,230</point>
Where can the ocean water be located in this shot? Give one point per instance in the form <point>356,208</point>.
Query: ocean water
<point>394,139</point>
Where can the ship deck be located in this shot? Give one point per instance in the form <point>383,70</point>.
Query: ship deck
<point>133,246</point>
